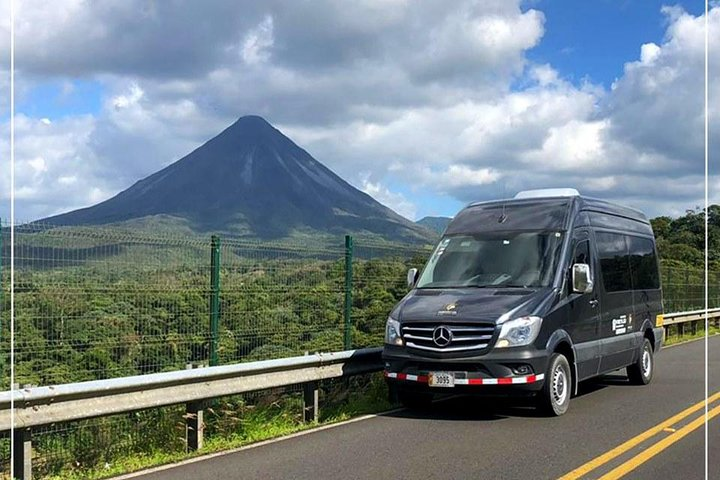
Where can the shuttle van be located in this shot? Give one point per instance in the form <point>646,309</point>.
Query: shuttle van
<point>529,296</point>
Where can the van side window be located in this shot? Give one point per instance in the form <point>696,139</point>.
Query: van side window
<point>643,263</point>
<point>614,261</point>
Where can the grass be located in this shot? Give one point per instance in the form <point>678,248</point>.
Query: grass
<point>675,339</point>
<point>234,423</point>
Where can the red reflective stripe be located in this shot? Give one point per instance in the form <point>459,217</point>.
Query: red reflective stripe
<point>468,381</point>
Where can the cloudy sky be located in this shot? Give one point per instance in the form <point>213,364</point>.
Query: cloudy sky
<point>426,105</point>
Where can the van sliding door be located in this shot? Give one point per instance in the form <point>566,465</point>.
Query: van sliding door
<point>618,324</point>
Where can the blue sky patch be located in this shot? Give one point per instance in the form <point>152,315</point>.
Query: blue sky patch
<point>58,99</point>
<point>593,39</point>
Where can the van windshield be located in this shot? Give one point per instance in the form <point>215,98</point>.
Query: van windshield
<point>520,259</point>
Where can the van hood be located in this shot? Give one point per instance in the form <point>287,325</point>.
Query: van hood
<point>494,305</point>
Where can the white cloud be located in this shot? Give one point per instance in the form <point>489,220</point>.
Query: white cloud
<point>457,176</point>
<point>128,100</point>
<point>45,154</point>
<point>444,98</point>
<point>648,53</point>
<point>257,42</point>
<point>395,201</point>
<point>37,165</point>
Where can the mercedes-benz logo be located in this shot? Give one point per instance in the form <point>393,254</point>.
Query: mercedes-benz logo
<point>442,336</point>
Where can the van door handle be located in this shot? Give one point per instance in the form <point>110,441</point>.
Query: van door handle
<point>593,303</point>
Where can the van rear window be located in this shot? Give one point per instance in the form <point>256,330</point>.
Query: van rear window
<point>627,262</point>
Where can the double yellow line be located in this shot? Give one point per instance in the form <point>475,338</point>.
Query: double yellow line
<point>651,451</point>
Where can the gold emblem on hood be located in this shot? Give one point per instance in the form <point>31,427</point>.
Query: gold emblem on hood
<point>449,309</point>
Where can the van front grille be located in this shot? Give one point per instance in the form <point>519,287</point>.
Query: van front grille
<point>448,338</point>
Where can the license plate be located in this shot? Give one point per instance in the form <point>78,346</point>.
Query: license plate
<point>441,379</point>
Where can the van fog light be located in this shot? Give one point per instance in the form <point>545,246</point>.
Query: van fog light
<point>521,369</point>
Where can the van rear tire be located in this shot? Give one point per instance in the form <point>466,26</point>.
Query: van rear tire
<point>414,400</point>
<point>641,372</point>
<point>554,398</point>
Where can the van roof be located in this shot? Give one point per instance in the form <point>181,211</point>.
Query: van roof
<point>537,213</point>
<point>583,202</point>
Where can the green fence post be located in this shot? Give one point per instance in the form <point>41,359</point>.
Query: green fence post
<point>214,298</point>
<point>348,291</point>
<point>688,291</point>
<point>671,300</point>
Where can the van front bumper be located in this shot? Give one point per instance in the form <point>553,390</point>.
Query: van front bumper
<point>507,370</point>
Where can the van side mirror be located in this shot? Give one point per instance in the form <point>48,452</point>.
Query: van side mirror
<point>412,277</point>
<point>581,279</point>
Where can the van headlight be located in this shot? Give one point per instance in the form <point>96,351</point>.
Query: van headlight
<point>518,332</point>
<point>392,332</point>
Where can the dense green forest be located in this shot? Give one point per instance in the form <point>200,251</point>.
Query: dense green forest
<point>682,239</point>
<point>142,306</point>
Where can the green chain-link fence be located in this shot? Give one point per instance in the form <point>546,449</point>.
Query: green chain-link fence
<point>95,303</point>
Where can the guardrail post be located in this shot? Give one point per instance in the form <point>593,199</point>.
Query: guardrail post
<point>22,454</point>
<point>214,298</point>
<point>311,402</point>
<point>194,426</point>
<point>347,340</point>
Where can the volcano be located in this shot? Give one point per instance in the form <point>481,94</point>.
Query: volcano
<point>250,180</point>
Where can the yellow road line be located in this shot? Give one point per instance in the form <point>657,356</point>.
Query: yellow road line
<point>650,452</point>
<point>620,449</point>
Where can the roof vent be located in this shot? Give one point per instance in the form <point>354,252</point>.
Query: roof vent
<point>548,192</point>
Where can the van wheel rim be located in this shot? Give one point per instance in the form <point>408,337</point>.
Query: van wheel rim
<point>646,363</point>
<point>559,386</point>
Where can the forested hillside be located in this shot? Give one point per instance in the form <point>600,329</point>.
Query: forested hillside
<point>682,240</point>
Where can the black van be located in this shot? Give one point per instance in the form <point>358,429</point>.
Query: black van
<point>529,296</point>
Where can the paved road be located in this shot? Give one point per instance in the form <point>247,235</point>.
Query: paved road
<point>469,438</point>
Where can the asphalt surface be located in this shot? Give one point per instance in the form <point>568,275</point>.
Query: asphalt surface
<point>470,438</point>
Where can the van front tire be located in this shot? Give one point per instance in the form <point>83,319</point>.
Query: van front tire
<point>554,398</point>
<point>641,372</point>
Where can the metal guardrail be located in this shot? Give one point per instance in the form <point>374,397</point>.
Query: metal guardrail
<point>692,319</point>
<point>39,406</point>
<point>75,401</point>
<point>682,317</point>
